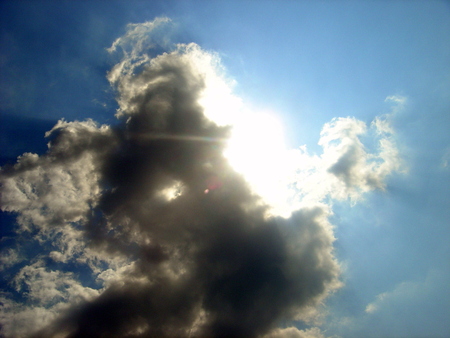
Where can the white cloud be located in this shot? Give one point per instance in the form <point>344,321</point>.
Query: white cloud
<point>345,169</point>
<point>48,293</point>
<point>397,99</point>
<point>46,287</point>
<point>372,307</point>
<point>288,179</point>
<point>445,159</point>
<point>59,187</point>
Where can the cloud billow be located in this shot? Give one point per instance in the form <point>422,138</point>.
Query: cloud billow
<point>178,241</point>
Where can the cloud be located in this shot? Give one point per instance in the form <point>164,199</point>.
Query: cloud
<point>175,240</point>
<point>445,159</point>
<point>293,332</point>
<point>397,99</point>
<point>49,293</point>
<point>346,169</point>
<point>59,186</point>
<point>289,179</point>
<point>9,257</point>
<point>413,308</point>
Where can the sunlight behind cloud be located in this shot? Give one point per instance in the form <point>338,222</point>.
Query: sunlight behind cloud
<point>287,179</point>
<point>171,192</point>
<point>257,150</point>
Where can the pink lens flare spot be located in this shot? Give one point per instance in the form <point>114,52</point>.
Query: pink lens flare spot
<point>213,183</point>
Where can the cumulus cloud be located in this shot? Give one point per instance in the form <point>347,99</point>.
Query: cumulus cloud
<point>175,240</point>
<point>346,169</point>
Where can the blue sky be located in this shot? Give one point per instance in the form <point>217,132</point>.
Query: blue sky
<point>304,62</point>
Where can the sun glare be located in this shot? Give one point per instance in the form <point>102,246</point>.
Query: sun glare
<point>256,149</point>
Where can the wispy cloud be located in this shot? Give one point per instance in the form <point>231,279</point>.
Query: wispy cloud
<point>422,300</point>
<point>293,332</point>
<point>445,159</point>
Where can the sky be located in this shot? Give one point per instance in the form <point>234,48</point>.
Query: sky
<point>225,168</point>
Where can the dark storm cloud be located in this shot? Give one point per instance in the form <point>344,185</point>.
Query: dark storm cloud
<point>238,275</point>
<point>205,259</point>
<point>213,256</point>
